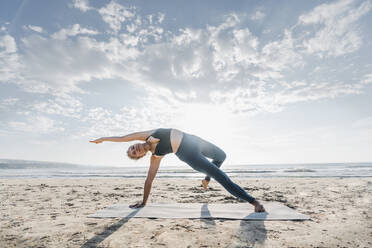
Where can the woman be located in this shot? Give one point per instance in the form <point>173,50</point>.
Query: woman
<point>189,148</point>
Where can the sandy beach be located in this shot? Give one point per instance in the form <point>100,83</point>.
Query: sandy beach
<point>53,213</point>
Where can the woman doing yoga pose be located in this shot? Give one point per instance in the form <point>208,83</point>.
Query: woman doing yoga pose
<point>189,148</point>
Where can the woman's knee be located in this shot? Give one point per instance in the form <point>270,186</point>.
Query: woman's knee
<point>221,156</point>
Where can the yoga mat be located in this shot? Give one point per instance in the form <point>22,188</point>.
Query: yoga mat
<point>274,211</point>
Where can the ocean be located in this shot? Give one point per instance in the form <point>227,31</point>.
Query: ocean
<point>36,169</point>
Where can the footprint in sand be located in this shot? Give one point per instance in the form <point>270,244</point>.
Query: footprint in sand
<point>91,223</point>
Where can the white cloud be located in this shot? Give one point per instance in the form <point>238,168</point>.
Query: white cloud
<point>130,40</point>
<point>62,104</point>
<point>117,51</point>
<point>226,59</point>
<point>128,119</point>
<point>34,28</point>
<point>258,97</point>
<point>186,36</point>
<point>9,59</point>
<point>161,17</point>
<point>200,57</point>
<point>83,5</point>
<point>36,124</point>
<point>186,96</point>
<point>187,59</point>
<point>315,91</point>
<point>232,47</point>
<point>8,44</point>
<point>106,122</point>
<point>115,14</point>
<point>159,107</point>
<point>60,64</point>
<point>197,58</point>
<point>150,31</point>
<point>53,66</point>
<point>281,54</point>
<point>258,15</point>
<point>338,33</point>
<point>131,27</point>
<point>8,102</point>
<point>367,79</point>
<point>75,29</point>
<point>251,99</point>
<point>149,18</point>
<point>174,66</point>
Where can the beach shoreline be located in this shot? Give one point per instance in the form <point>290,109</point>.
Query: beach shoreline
<point>52,212</point>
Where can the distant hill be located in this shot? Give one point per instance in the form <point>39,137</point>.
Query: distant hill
<point>29,164</point>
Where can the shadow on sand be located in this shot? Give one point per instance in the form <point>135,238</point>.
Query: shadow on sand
<point>253,233</point>
<point>207,217</point>
<point>98,238</point>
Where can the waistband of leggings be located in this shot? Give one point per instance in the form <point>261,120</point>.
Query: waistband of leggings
<point>185,137</point>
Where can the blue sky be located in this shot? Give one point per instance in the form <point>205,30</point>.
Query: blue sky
<point>268,82</point>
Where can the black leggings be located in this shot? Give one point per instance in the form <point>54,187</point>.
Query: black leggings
<point>194,150</point>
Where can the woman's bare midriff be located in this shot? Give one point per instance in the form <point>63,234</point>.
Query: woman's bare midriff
<point>175,139</point>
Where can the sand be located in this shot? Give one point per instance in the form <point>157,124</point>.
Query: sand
<point>53,213</point>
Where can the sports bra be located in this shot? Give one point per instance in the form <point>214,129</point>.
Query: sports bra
<point>164,146</point>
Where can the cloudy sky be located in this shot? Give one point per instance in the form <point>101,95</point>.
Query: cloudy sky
<point>268,82</point>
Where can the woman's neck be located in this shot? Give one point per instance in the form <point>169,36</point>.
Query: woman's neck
<point>148,147</point>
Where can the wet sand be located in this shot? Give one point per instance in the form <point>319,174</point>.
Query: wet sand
<point>53,213</point>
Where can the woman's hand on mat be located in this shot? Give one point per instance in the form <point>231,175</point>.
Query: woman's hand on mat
<point>258,207</point>
<point>97,141</point>
<point>137,205</point>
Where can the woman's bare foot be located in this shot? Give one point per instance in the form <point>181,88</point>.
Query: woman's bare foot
<point>258,207</point>
<point>205,184</point>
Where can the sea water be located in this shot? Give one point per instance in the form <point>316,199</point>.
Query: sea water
<point>35,169</point>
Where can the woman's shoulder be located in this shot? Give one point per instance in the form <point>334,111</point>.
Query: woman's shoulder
<point>152,133</point>
<point>161,131</point>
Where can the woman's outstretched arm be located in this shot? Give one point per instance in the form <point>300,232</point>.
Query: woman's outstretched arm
<point>129,137</point>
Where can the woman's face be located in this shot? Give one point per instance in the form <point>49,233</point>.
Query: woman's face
<point>136,150</point>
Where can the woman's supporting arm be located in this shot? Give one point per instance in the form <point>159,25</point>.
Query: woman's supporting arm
<point>154,166</point>
<point>126,138</point>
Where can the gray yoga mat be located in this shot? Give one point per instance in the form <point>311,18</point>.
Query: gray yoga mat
<point>274,211</point>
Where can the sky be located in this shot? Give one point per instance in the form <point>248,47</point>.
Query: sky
<point>266,81</point>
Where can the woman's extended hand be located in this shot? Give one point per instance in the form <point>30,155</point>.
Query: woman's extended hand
<point>97,141</point>
<point>137,205</point>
